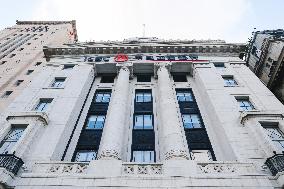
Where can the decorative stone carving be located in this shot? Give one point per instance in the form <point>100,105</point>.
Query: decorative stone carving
<point>176,154</point>
<point>109,154</point>
<point>226,168</point>
<point>67,168</point>
<point>142,169</point>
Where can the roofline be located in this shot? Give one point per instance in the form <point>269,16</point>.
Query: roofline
<point>73,22</point>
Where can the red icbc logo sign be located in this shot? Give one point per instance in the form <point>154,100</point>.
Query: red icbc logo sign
<point>121,58</point>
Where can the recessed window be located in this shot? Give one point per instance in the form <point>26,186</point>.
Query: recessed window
<point>7,94</point>
<point>58,82</point>
<point>143,96</point>
<point>43,104</point>
<point>12,55</point>
<point>275,134</point>
<point>107,79</point>
<point>179,78</point>
<point>38,63</point>
<point>28,43</point>
<point>96,122</point>
<point>219,65</point>
<point>21,49</point>
<point>3,62</point>
<point>229,81</point>
<point>11,139</point>
<point>68,67</point>
<point>85,155</point>
<point>29,72</point>
<point>201,155</point>
<point>143,122</point>
<point>143,78</point>
<point>184,96</point>
<point>103,96</point>
<point>191,121</point>
<point>18,82</point>
<point>143,156</point>
<point>245,104</point>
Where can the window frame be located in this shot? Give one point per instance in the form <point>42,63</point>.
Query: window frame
<point>85,150</point>
<point>103,93</point>
<point>192,123</point>
<point>96,121</point>
<point>58,84</point>
<point>245,99</point>
<point>143,156</point>
<point>191,97</point>
<point>142,127</point>
<point>229,81</point>
<point>145,95</point>
<point>47,102</point>
<point>6,139</point>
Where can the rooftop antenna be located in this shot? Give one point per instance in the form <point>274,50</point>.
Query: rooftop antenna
<point>144,30</point>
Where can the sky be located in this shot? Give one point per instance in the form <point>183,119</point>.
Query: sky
<point>230,20</point>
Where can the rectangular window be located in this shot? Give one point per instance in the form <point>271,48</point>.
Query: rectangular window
<point>103,96</point>
<point>68,67</point>
<point>85,155</point>
<point>184,96</point>
<point>18,83</point>
<point>191,121</point>
<point>7,94</point>
<point>143,122</point>
<point>143,78</point>
<point>201,155</point>
<point>229,81</point>
<point>143,96</point>
<point>38,63</point>
<point>180,78</point>
<point>276,135</point>
<point>43,104</point>
<point>143,156</point>
<point>96,122</point>
<point>11,139</point>
<point>245,104</point>
<point>219,65</point>
<point>107,79</point>
<point>58,82</point>
<point>29,72</point>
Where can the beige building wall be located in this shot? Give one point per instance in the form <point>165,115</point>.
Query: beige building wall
<point>21,50</point>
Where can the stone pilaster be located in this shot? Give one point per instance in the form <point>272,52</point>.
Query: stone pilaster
<point>171,139</point>
<point>114,129</point>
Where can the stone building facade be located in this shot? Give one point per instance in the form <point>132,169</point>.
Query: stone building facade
<point>143,113</point>
<point>21,55</point>
<point>265,58</point>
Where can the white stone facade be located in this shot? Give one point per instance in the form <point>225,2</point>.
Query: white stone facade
<point>47,145</point>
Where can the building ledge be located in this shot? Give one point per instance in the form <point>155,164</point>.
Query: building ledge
<point>42,116</point>
<point>246,115</point>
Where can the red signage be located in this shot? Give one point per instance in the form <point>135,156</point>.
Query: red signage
<point>121,58</point>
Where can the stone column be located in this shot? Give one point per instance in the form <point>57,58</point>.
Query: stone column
<point>114,128</point>
<point>171,139</point>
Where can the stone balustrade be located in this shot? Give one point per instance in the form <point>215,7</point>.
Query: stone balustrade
<point>142,169</point>
<point>61,168</point>
<point>225,168</point>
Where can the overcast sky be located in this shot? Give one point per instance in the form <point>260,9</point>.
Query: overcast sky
<point>231,20</point>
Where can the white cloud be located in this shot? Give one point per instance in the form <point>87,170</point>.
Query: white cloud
<point>118,19</point>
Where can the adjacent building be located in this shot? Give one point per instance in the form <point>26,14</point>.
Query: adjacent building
<point>21,55</point>
<point>265,58</point>
<point>143,113</point>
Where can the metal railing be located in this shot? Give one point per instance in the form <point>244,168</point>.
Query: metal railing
<point>11,162</point>
<point>275,163</point>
